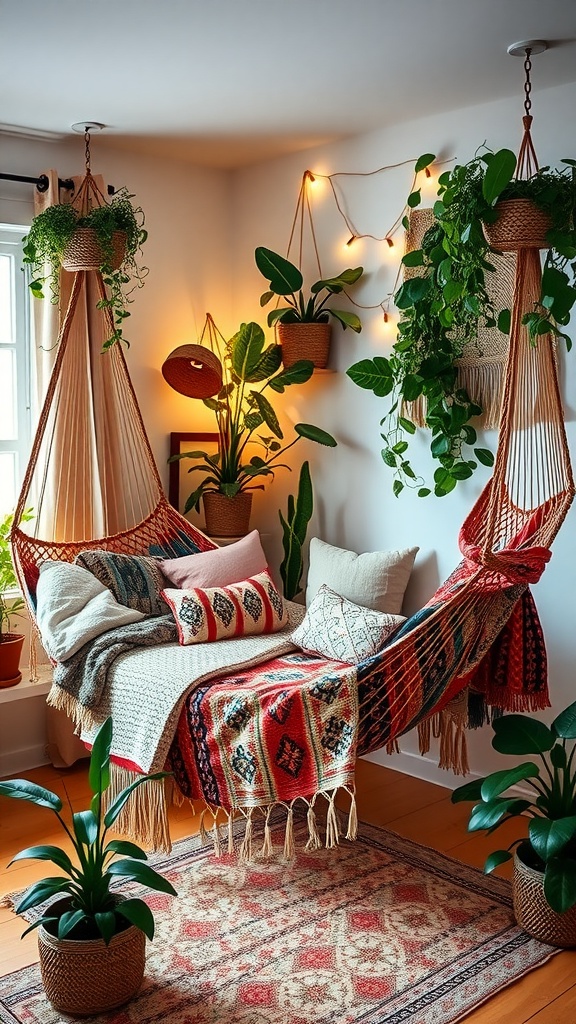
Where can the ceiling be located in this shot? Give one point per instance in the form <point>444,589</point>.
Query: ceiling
<point>228,82</point>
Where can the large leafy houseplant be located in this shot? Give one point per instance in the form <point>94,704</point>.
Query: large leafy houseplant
<point>241,410</point>
<point>286,281</point>
<point>52,230</point>
<point>91,909</point>
<point>551,804</point>
<point>442,306</point>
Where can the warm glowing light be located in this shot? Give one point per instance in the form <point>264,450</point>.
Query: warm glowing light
<point>311,178</point>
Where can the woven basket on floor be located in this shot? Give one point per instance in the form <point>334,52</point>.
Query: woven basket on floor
<point>82,978</point>
<point>227,516</point>
<point>534,914</point>
<point>520,225</point>
<point>305,341</point>
<point>84,252</point>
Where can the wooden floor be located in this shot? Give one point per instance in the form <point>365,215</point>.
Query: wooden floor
<point>420,810</point>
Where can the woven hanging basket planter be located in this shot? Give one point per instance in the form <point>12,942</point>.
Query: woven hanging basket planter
<point>194,371</point>
<point>520,225</point>
<point>84,252</point>
<point>87,977</point>
<point>305,341</point>
<point>227,516</point>
<point>10,651</point>
<point>534,914</point>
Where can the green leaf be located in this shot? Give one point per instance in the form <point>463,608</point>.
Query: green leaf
<point>68,921</point>
<point>266,366</point>
<point>424,161</point>
<point>267,413</point>
<point>411,387</point>
<point>499,782</point>
<point>495,859</point>
<point>138,913</point>
<point>373,375</point>
<point>406,425</point>
<point>21,789</point>
<point>52,853</point>
<point>337,284</point>
<point>41,891</point>
<point>484,456</point>
<point>469,791</point>
<point>125,848</point>
<point>246,349</point>
<point>298,373</point>
<point>283,276</point>
<point>414,258</point>
<point>504,318</point>
<point>304,503</point>
<point>499,173</point>
<point>423,492</point>
<point>141,873</point>
<point>549,837</point>
<point>347,319</point>
<point>491,813</point>
<point>265,298</point>
<point>106,924</point>
<point>560,883</point>
<point>519,734</point>
<point>99,770</point>
<point>389,458</point>
<point>313,433</point>
<point>85,827</point>
<point>564,725</point>
<point>397,488</point>
<point>414,199</point>
<point>117,805</point>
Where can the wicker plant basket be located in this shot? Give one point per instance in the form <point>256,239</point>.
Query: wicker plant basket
<point>533,912</point>
<point>84,252</point>
<point>193,370</point>
<point>82,978</point>
<point>305,341</point>
<point>520,225</point>
<point>227,517</point>
<point>10,652</point>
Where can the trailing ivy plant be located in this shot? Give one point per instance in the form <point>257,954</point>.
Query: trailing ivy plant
<point>442,308</point>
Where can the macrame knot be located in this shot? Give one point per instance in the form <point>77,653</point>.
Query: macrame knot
<point>518,566</point>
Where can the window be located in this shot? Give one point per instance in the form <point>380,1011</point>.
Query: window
<point>15,370</point>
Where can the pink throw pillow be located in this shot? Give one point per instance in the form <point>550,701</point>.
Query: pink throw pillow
<point>218,567</point>
<point>246,608</point>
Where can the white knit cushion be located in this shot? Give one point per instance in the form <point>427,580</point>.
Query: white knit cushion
<point>375,580</point>
<point>337,628</point>
<point>74,607</point>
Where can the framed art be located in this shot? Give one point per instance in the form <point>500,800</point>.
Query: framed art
<point>180,482</point>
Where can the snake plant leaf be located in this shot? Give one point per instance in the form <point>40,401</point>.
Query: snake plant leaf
<point>138,912</point>
<point>142,873</point>
<point>304,506</point>
<point>284,277</point>
<point>518,734</point>
<point>246,349</point>
<point>313,433</point>
<point>549,837</point>
<point>99,770</point>
<point>564,725</point>
<point>21,789</point>
<point>560,883</point>
<point>292,563</point>
<point>499,782</point>
<point>495,859</point>
<point>298,373</point>
<point>267,413</point>
<point>347,319</point>
<point>52,853</point>
<point>499,173</point>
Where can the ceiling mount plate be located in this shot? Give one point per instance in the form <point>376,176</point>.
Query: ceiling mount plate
<point>534,45</point>
<point>87,126</point>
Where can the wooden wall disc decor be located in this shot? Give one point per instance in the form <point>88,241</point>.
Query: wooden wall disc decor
<point>194,371</point>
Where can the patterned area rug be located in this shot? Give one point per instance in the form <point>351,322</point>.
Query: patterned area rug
<point>380,931</point>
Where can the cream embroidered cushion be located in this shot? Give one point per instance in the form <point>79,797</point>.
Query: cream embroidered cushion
<point>217,613</point>
<point>375,580</point>
<point>218,567</point>
<point>337,628</point>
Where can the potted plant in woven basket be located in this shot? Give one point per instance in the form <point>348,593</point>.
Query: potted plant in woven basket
<point>90,233</point>
<point>544,879</point>
<point>91,939</point>
<point>481,209</point>
<point>304,324</point>
<point>11,605</point>
<point>241,409</point>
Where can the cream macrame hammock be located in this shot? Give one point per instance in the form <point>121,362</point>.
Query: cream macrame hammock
<point>92,482</point>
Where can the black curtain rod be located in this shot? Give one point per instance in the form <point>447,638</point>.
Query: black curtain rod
<point>42,182</point>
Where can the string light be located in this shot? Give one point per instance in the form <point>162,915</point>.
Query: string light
<point>390,242</point>
<point>351,240</point>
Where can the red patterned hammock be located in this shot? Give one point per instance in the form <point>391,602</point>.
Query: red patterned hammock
<point>479,634</point>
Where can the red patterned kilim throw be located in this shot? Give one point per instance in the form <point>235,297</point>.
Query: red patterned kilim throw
<point>381,931</point>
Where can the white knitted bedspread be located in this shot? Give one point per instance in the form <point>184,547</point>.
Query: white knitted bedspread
<point>146,688</point>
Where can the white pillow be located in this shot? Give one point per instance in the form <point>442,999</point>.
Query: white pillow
<point>74,607</point>
<point>375,580</point>
<point>336,628</point>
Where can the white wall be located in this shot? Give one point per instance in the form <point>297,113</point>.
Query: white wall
<point>355,506</point>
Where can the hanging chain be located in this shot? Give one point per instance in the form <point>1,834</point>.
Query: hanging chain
<point>87,150</point>
<point>527,83</point>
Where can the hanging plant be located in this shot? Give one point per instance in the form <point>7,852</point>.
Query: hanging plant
<point>119,234</point>
<point>443,307</point>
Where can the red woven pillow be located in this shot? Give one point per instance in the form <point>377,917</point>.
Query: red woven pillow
<point>241,609</point>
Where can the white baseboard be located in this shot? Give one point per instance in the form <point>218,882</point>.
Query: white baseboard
<point>419,767</point>
<point>21,760</point>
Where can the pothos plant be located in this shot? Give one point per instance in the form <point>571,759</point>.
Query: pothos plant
<point>241,410</point>
<point>443,305</point>
<point>53,228</point>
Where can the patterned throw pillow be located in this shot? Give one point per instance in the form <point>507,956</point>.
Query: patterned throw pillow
<point>241,609</point>
<point>336,628</point>
<point>135,580</point>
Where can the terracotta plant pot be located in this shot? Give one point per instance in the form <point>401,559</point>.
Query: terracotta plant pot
<point>10,651</point>
<point>225,516</point>
<point>83,251</point>
<point>533,912</point>
<point>520,225</point>
<point>87,977</point>
<point>305,341</point>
